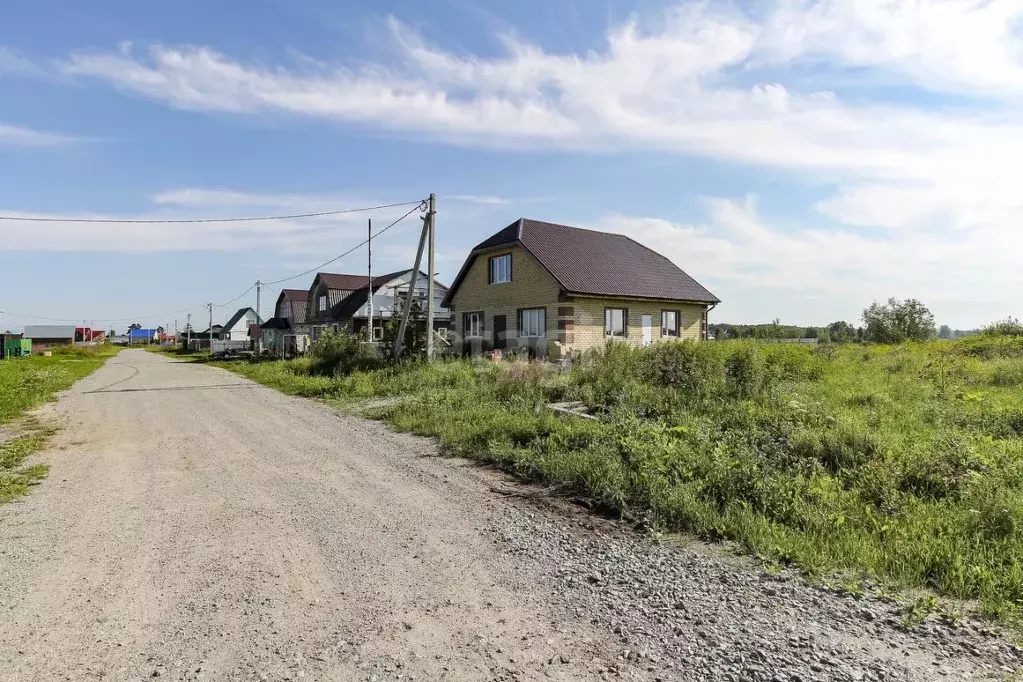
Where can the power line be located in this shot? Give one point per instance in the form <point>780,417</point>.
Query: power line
<point>320,214</point>
<point>420,206</point>
<point>224,305</point>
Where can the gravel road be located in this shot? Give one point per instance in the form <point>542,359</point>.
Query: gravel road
<point>196,526</point>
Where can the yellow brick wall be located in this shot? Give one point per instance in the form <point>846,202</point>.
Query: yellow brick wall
<point>588,326</point>
<point>531,287</point>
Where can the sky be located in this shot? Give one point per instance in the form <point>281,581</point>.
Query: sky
<point>800,158</point>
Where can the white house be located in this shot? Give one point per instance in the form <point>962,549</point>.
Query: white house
<point>237,328</point>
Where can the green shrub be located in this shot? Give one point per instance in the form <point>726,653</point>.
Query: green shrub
<point>1010,326</point>
<point>746,370</point>
<point>696,369</point>
<point>336,353</point>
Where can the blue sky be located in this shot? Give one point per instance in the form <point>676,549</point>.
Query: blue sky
<point>799,157</point>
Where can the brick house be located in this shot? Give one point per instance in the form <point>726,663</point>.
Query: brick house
<point>556,289</point>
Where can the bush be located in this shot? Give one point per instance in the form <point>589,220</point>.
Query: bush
<point>747,370</point>
<point>1010,326</point>
<point>336,353</point>
<point>697,369</point>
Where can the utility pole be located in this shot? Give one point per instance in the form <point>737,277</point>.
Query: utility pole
<point>259,322</point>
<point>369,296</point>
<point>210,306</point>
<point>188,332</point>
<point>400,341</point>
<point>431,220</point>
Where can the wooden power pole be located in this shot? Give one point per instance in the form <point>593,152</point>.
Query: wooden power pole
<point>431,220</point>
<point>369,295</point>
<point>400,341</point>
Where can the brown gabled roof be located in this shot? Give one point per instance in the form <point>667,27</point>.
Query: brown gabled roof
<point>594,263</point>
<point>339,281</point>
<point>348,307</point>
<point>299,299</point>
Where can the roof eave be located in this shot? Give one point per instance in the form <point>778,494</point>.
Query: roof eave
<point>632,297</point>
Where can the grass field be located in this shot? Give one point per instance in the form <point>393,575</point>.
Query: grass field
<point>897,464</point>
<point>26,383</point>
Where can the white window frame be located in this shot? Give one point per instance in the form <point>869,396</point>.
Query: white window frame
<point>378,333</point>
<point>609,321</point>
<point>473,325</point>
<point>532,323</point>
<point>665,331</point>
<point>501,269</point>
<point>321,303</point>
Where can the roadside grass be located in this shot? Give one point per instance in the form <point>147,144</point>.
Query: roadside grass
<point>26,383</point>
<point>898,465</point>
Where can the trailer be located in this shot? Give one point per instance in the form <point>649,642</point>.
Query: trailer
<point>14,346</point>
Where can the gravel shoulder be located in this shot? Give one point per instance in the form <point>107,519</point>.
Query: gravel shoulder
<point>198,526</point>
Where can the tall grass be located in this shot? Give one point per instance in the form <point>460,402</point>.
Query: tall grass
<point>901,463</point>
<point>28,382</point>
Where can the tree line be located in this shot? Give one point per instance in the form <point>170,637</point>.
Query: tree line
<point>894,321</point>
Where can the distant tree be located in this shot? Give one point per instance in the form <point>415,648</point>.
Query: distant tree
<point>134,326</point>
<point>823,336</point>
<point>841,332</point>
<point>1010,326</point>
<point>897,321</point>
<point>112,333</point>
<point>811,333</point>
<point>945,332</point>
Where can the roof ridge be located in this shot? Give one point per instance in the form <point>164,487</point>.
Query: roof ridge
<point>581,229</point>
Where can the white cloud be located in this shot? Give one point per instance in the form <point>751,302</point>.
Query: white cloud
<point>15,63</point>
<point>671,82</point>
<point>961,46</point>
<point>27,137</point>
<point>312,237</point>
<point>814,275</point>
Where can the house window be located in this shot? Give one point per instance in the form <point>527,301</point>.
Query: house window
<point>322,303</point>
<point>670,323</point>
<point>378,333</point>
<point>473,325</point>
<point>533,322</point>
<point>614,321</point>
<point>501,269</point>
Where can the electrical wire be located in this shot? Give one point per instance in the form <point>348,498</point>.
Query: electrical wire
<point>421,207</point>
<point>224,305</point>
<point>31,219</point>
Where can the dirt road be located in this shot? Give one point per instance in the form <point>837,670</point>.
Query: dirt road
<point>198,526</point>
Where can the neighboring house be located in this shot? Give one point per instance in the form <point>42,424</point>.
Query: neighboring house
<point>46,335</point>
<point>88,334</point>
<point>389,292</point>
<point>287,331</point>
<point>143,336</point>
<point>237,328</point>
<point>558,289</point>
<point>327,291</point>
<point>205,334</point>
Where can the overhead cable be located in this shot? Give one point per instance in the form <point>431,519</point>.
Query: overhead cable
<point>34,219</point>
<point>421,207</point>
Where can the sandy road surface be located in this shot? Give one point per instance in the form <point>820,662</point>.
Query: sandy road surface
<point>198,525</point>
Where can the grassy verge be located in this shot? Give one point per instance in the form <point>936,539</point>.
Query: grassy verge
<point>26,383</point>
<point>902,465</point>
